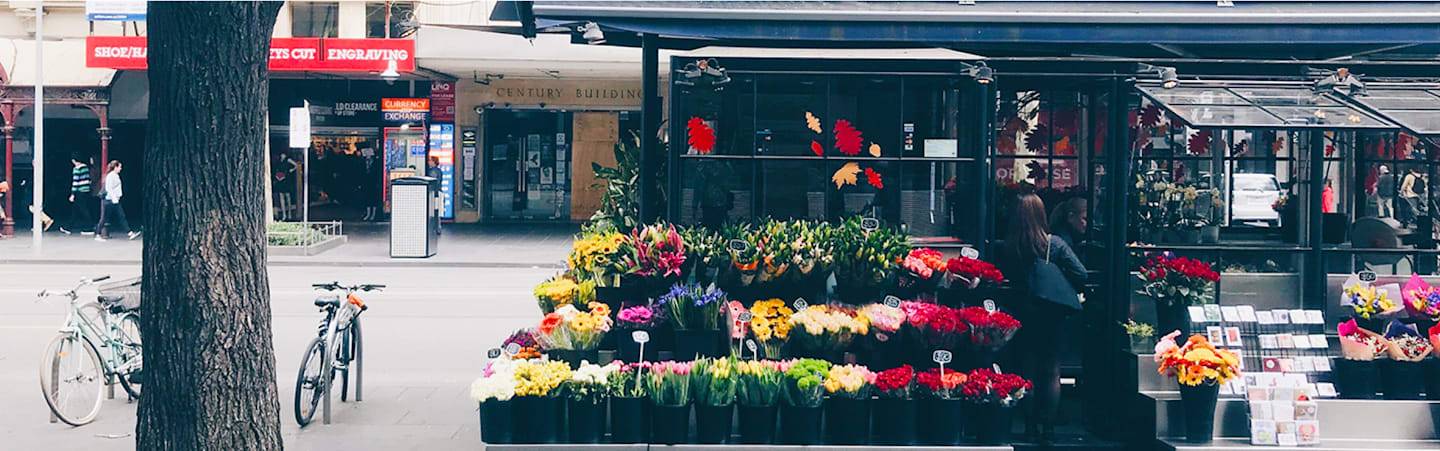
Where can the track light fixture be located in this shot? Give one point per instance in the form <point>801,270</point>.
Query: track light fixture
<point>703,72</point>
<point>979,71</point>
<point>1342,81</point>
<point>487,79</point>
<point>592,33</point>
<point>1169,78</point>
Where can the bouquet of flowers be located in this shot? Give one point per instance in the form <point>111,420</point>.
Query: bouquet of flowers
<point>1173,280</point>
<point>770,321</point>
<point>1359,344</point>
<point>704,252</point>
<point>883,319</point>
<point>924,267</point>
<point>693,307</point>
<point>989,330</point>
<point>644,316</point>
<point>896,382</point>
<point>1421,299</point>
<point>984,386</point>
<point>941,384</point>
<point>596,256</point>
<point>497,383</point>
<point>1197,362</point>
<point>971,272</point>
<point>1369,301</point>
<point>658,251</point>
<point>777,250</point>
<point>1405,343</point>
<point>938,327</point>
<point>626,382</point>
<point>669,383</point>
<point>850,382</point>
<point>825,327</point>
<point>570,329</point>
<point>590,383</point>
<point>747,260</point>
<point>525,339</point>
<point>561,291</point>
<point>813,249</point>
<point>805,381</point>
<point>760,383</point>
<point>714,381</point>
<point>867,260</point>
<point>540,377</point>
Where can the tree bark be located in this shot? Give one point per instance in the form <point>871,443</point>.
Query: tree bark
<point>209,361</point>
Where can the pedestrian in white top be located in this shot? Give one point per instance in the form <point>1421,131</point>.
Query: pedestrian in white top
<point>112,213</point>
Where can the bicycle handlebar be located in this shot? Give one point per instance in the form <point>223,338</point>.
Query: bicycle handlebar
<point>336,286</point>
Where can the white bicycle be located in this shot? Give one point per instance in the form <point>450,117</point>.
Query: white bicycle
<point>98,346</point>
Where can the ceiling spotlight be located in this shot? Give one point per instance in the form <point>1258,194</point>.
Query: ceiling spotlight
<point>488,78</point>
<point>979,71</point>
<point>391,73</point>
<point>1342,81</point>
<point>706,71</point>
<point>1169,78</point>
<point>592,33</point>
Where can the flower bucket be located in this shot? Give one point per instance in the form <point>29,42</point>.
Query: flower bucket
<point>539,419</point>
<point>1356,379</point>
<point>941,422</point>
<point>573,358</point>
<point>1171,317</point>
<point>1432,379</point>
<point>757,425</point>
<point>894,422</point>
<point>690,344</point>
<point>990,423</point>
<point>629,420</point>
<point>882,350</point>
<point>629,351</point>
<point>495,421</point>
<point>1198,404</point>
<point>587,421</point>
<point>670,425</point>
<point>1142,345</point>
<point>847,421</point>
<point>1401,380</point>
<point>799,425</point>
<point>713,424</point>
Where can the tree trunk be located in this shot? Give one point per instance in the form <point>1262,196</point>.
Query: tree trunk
<point>209,361</point>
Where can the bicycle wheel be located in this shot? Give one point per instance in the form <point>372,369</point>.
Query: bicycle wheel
<point>344,358</point>
<point>311,382</point>
<point>130,355</point>
<point>72,379</point>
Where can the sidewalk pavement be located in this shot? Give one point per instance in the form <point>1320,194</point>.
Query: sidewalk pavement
<point>368,244</point>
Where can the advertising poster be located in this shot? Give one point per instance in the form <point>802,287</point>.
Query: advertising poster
<point>442,148</point>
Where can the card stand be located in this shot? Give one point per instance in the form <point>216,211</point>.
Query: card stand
<point>1274,341</point>
<point>1281,413</point>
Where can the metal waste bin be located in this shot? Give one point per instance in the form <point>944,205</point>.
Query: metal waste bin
<point>414,220</point>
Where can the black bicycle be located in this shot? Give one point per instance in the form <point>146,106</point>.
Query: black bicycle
<point>337,347</point>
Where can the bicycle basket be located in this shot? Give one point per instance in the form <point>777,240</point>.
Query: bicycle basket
<point>127,291</point>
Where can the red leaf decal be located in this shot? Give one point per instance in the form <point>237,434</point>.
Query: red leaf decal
<point>1200,143</point>
<point>702,138</point>
<point>1329,150</point>
<point>815,147</point>
<point>874,178</point>
<point>847,138</point>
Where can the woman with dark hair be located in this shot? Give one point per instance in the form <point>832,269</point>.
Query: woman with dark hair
<point>1068,220</point>
<point>112,213</point>
<point>1045,274</point>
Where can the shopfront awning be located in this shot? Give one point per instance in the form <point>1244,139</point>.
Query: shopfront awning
<point>1417,109</point>
<point>64,64</point>
<point>1243,104</point>
<point>830,53</point>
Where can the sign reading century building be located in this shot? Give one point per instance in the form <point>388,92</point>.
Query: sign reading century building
<point>557,93</point>
<point>286,54</point>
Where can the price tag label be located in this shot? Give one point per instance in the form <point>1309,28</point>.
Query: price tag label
<point>882,337</point>
<point>800,304</point>
<point>1366,276</point>
<point>739,245</point>
<point>745,317</point>
<point>942,356</point>
<point>750,344</point>
<point>493,353</point>
<point>512,348</point>
<point>969,252</point>
<point>869,224</point>
<point>892,302</point>
<point>990,305</point>
<point>996,366</point>
<point>640,336</point>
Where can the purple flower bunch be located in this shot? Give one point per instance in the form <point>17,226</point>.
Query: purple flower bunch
<point>693,306</point>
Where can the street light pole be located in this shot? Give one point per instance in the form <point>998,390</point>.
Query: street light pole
<point>37,180</point>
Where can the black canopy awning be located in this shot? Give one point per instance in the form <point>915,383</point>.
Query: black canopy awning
<point>1248,104</point>
<point>1416,108</point>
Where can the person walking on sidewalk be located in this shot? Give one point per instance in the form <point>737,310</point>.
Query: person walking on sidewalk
<point>111,211</point>
<point>80,198</point>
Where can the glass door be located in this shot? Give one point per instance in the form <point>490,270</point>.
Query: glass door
<point>528,164</point>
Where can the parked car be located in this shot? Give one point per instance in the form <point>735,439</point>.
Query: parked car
<point>1253,198</point>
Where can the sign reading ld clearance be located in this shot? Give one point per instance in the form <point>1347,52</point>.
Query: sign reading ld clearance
<point>286,54</point>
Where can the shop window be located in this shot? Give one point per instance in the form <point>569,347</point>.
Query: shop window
<point>792,189</point>
<point>714,191</point>
<point>865,191</point>
<point>721,122</point>
<point>872,110</point>
<point>791,116</point>
<point>938,119</point>
<point>315,19</point>
<point>389,19</point>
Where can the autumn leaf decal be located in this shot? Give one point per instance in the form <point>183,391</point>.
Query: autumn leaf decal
<point>1150,116</point>
<point>847,175</point>
<point>847,138</point>
<point>702,137</point>
<point>815,147</point>
<point>1063,147</point>
<point>874,178</point>
<point>875,150</point>
<point>1200,143</point>
<point>812,122</point>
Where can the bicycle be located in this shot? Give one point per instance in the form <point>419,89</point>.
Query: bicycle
<point>72,368</point>
<point>337,346</point>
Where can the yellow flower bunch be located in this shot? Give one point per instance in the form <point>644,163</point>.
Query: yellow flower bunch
<point>824,327</point>
<point>562,291</point>
<point>540,378</point>
<point>1368,300</point>
<point>770,320</point>
<point>597,318</point>
<point>850,380</point>
<point>1199,362</point>
<point>595,256</point>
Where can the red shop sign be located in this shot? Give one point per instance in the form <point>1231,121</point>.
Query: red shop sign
<point>286,54</point>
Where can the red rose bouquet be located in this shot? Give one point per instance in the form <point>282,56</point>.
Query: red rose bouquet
<point>971,272</point>
<point>937,326</point>
<point>942,385</point>
<point>989,330</point>
<point>984,386</point>
<point>895,383</point>
<point>1173,280</point>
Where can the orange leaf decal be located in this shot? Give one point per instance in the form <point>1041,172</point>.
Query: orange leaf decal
<point>847,138</point>
<point>812,122</point>
<point>875,150</point>
<point>1063,147</point>
<point>815,147</point>
<point>874,178</point>
<point>847,175</point>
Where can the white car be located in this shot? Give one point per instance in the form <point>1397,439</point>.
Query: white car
<point>1253,198</point>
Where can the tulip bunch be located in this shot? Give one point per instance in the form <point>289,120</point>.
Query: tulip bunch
<point>850,381</point>
<point>714,381</point>
<point>669,383</point>
<point>760,383</point>
<point>540,377</point>
<point>826,327</point>
<point>590,383</point>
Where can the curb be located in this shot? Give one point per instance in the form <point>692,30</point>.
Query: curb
<point>360,264</point>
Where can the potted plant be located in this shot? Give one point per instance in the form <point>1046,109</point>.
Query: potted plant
<point>1356,372</point>
<point>537,402</point>
<point>571,335</point>
<point>563,290</point>
<point>804,395</point>
<point>989,332</point>
<point>629,406</point>
<point>588,391</point>
<point>770,322</point>
<point>895,411</point>
<point>942,409</point>
<point>647,317</point>
<point>758,393</point>
<point>885,346</point>
<point>714,382</point>
<point>1175,283</point>
<point>1401,376</point>
<point>1201,369</point>
<point>493,391</point>
<point>994,395</point>
<point>695,311</point>
<point>1141,336</point>
<point>825,331</point>
<point>847,412</point>
<point>670,393</point>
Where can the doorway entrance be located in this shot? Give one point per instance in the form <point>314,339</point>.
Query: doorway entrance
<point>528,164</point>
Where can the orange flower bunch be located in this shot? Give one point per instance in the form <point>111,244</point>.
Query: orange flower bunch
<point>1197,361</point>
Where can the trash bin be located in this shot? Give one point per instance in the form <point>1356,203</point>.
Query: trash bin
<point>414,221</point>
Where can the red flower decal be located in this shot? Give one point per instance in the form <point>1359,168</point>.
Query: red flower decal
<point>815,147</point>
<point>702,137</point>
<point>847,138</point>
<point>874,178</point>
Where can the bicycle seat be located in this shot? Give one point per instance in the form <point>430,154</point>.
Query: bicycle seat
<point>327,301</point>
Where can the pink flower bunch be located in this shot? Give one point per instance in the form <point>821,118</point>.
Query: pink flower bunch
<point>659,251</point>
<point>636,314</point>
<point>884,319</point>
<point>737,328</point>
